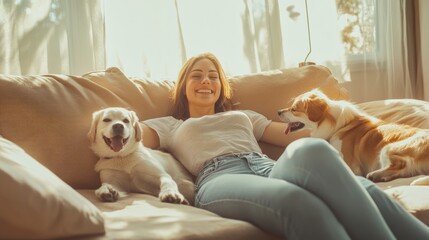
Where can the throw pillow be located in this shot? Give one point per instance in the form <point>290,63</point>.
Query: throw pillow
<point>35,203</point>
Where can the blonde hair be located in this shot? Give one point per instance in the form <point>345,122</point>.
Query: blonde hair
<point>180,101</point>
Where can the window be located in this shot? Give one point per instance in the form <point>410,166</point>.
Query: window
<point>357,25</point>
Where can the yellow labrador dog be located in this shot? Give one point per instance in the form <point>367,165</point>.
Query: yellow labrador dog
<point>126,165</point>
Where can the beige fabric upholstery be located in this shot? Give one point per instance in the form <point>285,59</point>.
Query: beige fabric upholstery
<point>405,111</point>
<point>270,91</point>
<point>141,216</point>
<point>36,204</point>
<point>414,199</point>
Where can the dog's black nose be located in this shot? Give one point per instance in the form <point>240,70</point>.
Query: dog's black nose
<point>279,112</point>
<point>118,127</point>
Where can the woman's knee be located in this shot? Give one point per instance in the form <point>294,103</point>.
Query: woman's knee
<point>295,201</point>
<point>309,150</point>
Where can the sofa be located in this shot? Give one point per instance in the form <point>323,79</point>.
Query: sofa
<point>47,175</point>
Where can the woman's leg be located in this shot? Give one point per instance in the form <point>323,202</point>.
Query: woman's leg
<point>273,205</point>
<point>316,166</point>
<point>402,223</point>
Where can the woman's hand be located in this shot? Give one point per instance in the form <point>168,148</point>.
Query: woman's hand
<point>275,134</point>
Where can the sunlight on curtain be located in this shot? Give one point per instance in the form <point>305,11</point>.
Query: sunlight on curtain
<point>326,43</point>
<point>153,38</point>
<point>143,38</point>
<point>393,55</point>
<point>40,37</point>
<point>382,71</point>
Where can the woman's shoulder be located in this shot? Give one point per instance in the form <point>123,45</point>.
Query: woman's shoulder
<point>249,112</point>
<point>163,121</point>
<point>240,111</point>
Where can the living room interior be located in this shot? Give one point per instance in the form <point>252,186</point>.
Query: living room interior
<point>61,60</point>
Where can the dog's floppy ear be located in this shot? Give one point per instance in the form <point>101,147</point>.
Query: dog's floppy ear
<point>316,107</point>
<point>137,126</point>
<point>92,134</point>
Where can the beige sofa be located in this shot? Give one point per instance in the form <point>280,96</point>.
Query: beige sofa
<point>47,172</point>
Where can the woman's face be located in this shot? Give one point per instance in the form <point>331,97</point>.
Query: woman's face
<point>203,86</point>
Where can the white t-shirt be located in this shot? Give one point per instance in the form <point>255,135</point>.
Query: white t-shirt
<point>197,140</point>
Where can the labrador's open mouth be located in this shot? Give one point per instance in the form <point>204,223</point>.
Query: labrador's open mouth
<point>115,143</point>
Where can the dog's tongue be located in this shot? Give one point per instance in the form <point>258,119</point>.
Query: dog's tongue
<point>287,130</point>
<point>117,143</point>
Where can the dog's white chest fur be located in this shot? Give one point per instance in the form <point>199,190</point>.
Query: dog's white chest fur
<point>121,164</point>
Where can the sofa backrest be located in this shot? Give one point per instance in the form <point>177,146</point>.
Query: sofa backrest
<point>49,115</point>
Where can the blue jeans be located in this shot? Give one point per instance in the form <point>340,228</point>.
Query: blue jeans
<point>308,193</point>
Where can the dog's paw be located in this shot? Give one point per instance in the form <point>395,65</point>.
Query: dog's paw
<point>173,197</point>
<point>107,193</point>
<point>378,176</point>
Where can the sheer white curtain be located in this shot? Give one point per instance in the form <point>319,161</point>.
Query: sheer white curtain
<point>153,38</point>
<point>40,37</point>
<point>394,55</point>
<point>385,72</point>
<point>423,29</point>
<point>160,35</point>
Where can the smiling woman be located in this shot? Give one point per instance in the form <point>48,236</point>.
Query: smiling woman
<point>201,88</point>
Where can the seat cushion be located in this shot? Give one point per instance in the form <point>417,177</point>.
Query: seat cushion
<point>138,216</point>
<point>413,198</point>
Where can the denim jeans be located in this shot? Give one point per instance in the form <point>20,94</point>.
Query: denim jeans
<point>308,193</point>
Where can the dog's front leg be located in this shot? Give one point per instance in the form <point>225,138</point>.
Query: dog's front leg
<point>395,169</point>
<point>150,177</point>
<point>113,185</point>
<point>170,191</point>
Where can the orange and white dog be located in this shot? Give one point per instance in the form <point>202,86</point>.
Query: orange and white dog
<point>373,148</point>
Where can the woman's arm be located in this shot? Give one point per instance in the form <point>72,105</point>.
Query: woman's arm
<point>275,134</point>
<point>150,137</point>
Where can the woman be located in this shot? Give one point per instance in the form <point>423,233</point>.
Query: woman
<point>308,193</point>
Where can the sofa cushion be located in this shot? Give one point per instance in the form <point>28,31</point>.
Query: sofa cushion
<point>141,216</point>
<point>412,112</point>
<point>267,92</point>
<point>36,204</point>
<point>414,199</point>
